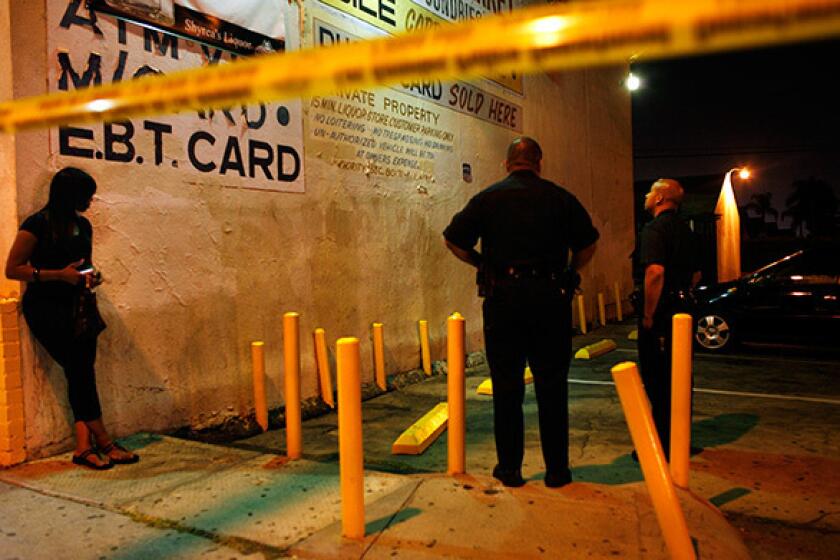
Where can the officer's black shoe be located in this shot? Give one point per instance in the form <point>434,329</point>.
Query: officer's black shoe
<point>557,479</point>
<point>512,478</point>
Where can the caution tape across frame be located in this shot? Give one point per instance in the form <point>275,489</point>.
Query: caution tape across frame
<point>551,37</point>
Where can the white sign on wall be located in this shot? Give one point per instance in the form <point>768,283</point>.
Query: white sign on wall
<point>262,16</point>
<point>255,147</point>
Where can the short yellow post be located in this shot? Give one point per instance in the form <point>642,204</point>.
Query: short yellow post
<point>681,399</point>
<point>258,369</point>
<point>379,356</point>
<point>425,353</point>
<point>582,313</point>
<point>618,314</point>
<point>350,452</point>
<point>291,355</point>
<point>602,310</point>
<point>456,394</point>
<point>669,513</point>
<point>323,363</point>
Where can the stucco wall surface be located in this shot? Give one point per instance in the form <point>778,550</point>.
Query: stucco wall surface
<point>199,263</point>
<point>8,205</point>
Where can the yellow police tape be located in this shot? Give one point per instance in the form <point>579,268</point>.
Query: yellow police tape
<point>549,37</point>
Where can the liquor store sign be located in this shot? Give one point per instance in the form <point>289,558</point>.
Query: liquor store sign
<point>255,146</point>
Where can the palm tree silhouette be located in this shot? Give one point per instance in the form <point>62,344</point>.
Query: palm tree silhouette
<point>812,206</point>
<point>762,206</point>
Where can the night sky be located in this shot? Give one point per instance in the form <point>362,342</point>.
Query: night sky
<point>774,109</point>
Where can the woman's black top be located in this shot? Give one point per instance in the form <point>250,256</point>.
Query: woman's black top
<point>55,254</point>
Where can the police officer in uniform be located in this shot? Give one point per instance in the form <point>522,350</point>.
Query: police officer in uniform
<point>668,261</point>
<point>527,227</point>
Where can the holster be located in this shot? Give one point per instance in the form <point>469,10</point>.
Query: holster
<point>538,279</point>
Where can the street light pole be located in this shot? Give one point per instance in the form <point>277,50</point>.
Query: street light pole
<point>729,229</point>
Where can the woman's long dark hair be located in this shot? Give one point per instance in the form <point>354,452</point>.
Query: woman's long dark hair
<point>70,191</point>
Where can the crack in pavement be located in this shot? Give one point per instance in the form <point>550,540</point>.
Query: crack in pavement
<point>403,505</point>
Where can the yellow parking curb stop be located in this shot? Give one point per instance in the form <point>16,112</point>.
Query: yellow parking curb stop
<point>422,433</point>
<point>594,350</point>
<point>486,387</point>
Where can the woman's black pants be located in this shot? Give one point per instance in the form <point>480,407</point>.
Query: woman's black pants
<point>51,322</point>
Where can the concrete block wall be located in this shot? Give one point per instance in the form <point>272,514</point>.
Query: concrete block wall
<point>11,386</point>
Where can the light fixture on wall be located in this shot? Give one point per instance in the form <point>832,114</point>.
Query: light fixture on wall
<point>632,82</point>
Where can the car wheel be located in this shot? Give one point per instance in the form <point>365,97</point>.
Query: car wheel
<point>713,332</point>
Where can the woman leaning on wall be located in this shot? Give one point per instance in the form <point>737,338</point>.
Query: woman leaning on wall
<point>52,253</point>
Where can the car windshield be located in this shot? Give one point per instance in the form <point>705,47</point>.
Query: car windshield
<point>774,267</point>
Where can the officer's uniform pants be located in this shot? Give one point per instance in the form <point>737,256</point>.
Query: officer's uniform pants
<point>520,327</point>
<point>655,362</point>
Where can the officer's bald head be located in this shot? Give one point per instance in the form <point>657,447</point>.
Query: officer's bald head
<point>670,189</point>
<point>664,194</point>
<point>524,153</point>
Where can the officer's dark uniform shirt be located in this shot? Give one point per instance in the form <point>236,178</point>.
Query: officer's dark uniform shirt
<point>523,219</point>
<point>668,241</point>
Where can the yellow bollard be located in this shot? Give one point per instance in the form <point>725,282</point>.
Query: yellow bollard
<point>350,452</point>
<point>618,314</point>
<point>379,356</point>
<point>456,394</point>
<point>291,355</point>
<point>323,364</point>
<point>258,368</point>
<point>681,399</point>
<point>602,311</point>
<point>581,313</point>
<point>669,513</point>
<point>424,347</point>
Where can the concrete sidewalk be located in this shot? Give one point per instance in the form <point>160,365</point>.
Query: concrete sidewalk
<point>193,500</point>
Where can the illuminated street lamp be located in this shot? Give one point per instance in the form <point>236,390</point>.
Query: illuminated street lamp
<point>729,229</point>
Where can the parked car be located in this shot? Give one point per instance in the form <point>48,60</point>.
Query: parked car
<point>795,299</point>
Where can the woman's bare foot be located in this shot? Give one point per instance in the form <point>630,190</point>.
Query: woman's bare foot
<point>118,454</point>
<point>90,458</point>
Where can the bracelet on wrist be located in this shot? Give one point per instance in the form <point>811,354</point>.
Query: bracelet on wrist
<point>36,274</point>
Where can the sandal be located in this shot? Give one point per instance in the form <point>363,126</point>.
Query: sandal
<point>132,458</point>
<point>83,459</point>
